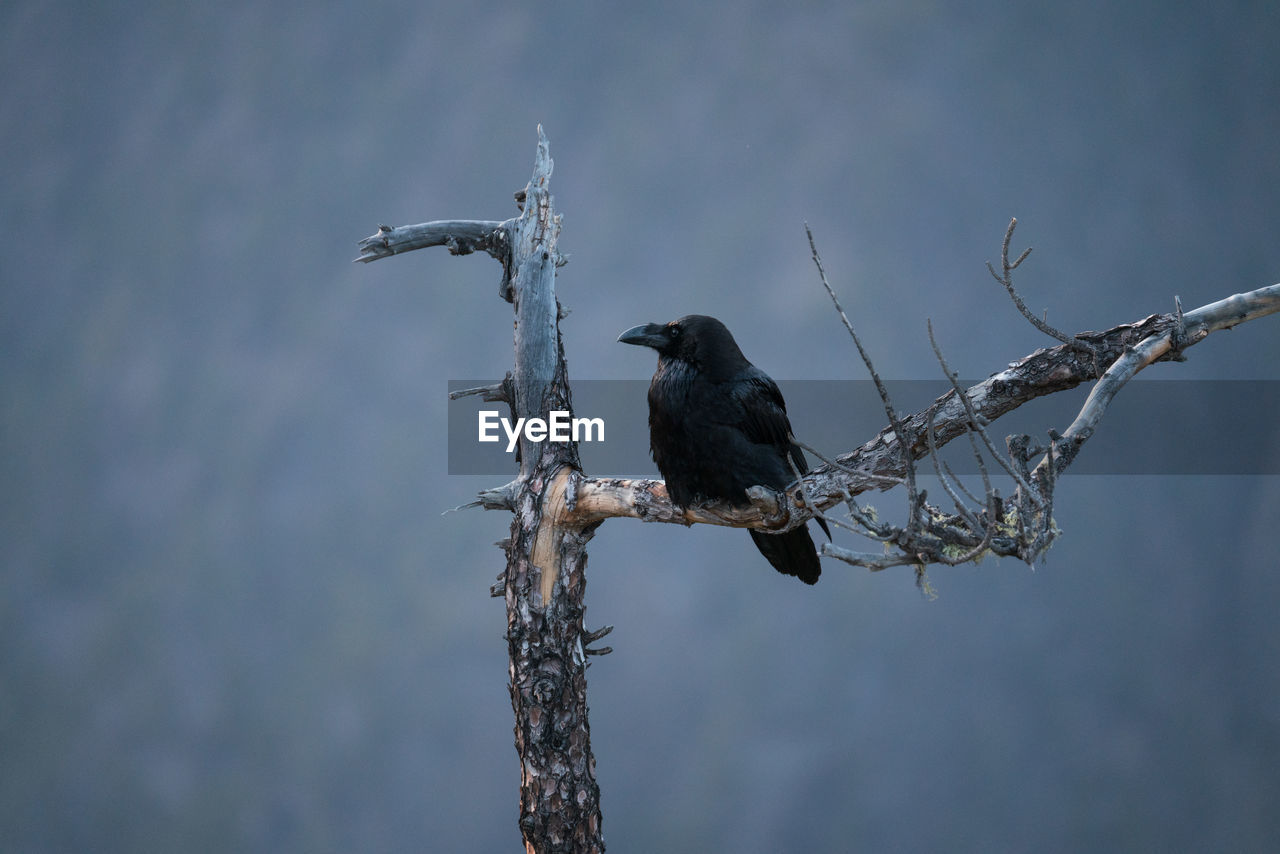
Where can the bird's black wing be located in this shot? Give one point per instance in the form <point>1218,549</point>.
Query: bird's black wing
<point>765,421</point>
<point>761,410</point>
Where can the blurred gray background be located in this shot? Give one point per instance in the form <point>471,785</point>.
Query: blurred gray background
<point>232,616</point>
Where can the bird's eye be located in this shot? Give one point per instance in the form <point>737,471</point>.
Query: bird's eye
<point>674,331</point>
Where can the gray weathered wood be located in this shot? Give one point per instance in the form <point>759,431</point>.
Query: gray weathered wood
<point>461,236</point>
<point>544,581</point>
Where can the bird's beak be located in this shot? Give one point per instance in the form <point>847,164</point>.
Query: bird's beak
<point>648,335</point>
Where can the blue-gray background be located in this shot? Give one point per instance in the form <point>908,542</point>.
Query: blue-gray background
<point>232,616</point>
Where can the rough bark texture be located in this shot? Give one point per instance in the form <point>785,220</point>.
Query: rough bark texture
<point>546,559</point>
<point>461,237</point>
<point>1044,372</point>
<point>544,581</point>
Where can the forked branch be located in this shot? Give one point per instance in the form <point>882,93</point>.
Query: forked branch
<point>1020,525</point>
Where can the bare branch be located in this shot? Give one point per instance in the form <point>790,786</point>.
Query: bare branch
<point>461,236</point>
<point>1229,312</point>
<point>872,561</point>
<point>501,392</point>
<point>855,511</point>
<point>799,481</point>
<point>1195,326</point>
<point>976,425</point>
<point>946,482</point>
<point>598,498</point>
<point>878,464</point>
<point>982,470</point>
<point>1005,277</point>
<point>885,482</point>
<point>905,439</point>
<point>1027,526</point>
<point>866,359</point>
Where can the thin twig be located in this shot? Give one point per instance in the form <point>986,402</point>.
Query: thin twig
<point>905,441</point>
<point>942,478</point>
<point>977,425</point>
<point>884,480</point>
<point>980,547</point>
<point>498,392</point>
<point>1006,278</point>
<point>873,562</point>
<point>799,476</point>
<point>958,482</point>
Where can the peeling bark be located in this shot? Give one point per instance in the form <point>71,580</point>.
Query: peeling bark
<point>545,579</point>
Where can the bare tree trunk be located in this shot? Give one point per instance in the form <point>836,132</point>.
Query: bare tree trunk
<point>544,581</point>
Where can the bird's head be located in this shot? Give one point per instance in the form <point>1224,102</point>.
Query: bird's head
<point>697,339</point>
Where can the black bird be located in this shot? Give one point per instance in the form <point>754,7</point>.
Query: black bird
<point>718,425</point>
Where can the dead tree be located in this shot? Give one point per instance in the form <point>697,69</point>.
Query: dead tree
<point>556,508</point>
<point>544,580</point>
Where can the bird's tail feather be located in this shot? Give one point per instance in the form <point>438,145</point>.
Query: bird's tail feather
<point>791,553</point>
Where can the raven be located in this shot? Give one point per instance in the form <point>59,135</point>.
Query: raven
<point>718,425</point>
